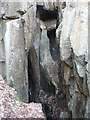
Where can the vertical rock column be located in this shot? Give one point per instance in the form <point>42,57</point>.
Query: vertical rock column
<point>73,49</point>
<point>87,115</point>
<point>15,57</point>
<point>2,54</point>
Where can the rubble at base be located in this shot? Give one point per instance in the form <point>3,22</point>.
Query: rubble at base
<point>11,108</point>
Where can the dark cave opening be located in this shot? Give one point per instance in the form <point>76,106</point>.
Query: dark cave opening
<point>31,81</point>
<point>46,15</point>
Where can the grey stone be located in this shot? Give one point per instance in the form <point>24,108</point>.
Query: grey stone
<point>15,57</point>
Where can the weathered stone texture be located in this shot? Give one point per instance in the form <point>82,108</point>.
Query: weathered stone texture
<point>74,53</point>
<point>2,51</point>
<point>53,55</point>
<point>15,56</point>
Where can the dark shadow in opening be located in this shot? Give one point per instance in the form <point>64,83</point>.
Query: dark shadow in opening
<point>54,47</point>
<point>46,15</point>
<point>47,85</point>
<point>31,81</point>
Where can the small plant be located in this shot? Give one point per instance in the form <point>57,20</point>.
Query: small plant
<point>17,97</point>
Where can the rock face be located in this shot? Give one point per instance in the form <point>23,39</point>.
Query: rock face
<point>74,52</point>
<point>44,54</point>
<point>15,57</point>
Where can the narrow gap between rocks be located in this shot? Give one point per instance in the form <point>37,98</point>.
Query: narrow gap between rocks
<point>31,81</point>
<point>55,102</point>
<point>53,45</point>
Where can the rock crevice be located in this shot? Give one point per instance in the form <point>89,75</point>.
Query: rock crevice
<point>44,54</point>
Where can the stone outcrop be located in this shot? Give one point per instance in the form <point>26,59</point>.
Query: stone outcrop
<point>74,55</point>
<point>44,54</point>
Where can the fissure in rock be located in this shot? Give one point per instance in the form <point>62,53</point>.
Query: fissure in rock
<point>59,102</point>
<point>31,81</point>
<point>53,45</point>
<point>54,102</point>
